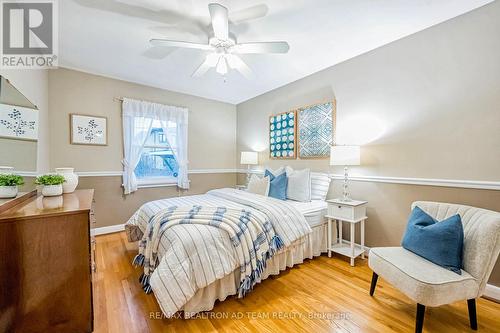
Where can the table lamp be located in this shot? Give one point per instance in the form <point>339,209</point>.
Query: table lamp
<point>249,158</point>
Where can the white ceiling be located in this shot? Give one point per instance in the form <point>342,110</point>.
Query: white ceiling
<point>111,38</point>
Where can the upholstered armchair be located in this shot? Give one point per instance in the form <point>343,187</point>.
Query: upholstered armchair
<point>431,285</point>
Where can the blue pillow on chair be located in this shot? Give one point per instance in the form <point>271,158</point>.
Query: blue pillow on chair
<point>439,242</point>
<point>278,185</point>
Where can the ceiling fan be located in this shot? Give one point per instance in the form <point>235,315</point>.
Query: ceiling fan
<point>223,46</point>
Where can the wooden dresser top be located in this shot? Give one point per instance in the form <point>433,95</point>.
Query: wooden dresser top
<point>80,200</point>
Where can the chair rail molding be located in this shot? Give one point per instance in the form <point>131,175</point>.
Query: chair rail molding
<point>26,173</point>
<point>120,173</point>
<point>459,183</point>
<point>476,184</point>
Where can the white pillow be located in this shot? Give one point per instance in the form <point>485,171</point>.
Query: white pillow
<point>320,183</point>
<point>299,184</point>
<point>258,185</point>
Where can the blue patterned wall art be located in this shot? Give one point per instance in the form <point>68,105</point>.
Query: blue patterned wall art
<point>316,125</point>
<point>282,136</point>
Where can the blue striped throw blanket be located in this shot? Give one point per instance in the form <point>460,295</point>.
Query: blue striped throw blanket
<point>251,233</point>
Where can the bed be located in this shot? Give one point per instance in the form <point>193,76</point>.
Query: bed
<point>196,265</point>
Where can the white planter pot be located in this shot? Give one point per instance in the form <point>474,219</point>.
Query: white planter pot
<point>52,190</point>
<point>7,192</point>
<point>71,179</point>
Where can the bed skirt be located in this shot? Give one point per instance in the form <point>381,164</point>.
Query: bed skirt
<point>307,247</point>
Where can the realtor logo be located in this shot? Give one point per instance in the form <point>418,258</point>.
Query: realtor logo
<point>29,34</point>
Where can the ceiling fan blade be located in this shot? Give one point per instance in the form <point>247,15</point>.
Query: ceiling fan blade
<point>236,63</point>
<point>262,47</point>
<point>221,66</point>
<point>157,52</point>
<point>220,22</point>
<point>176,43</point>
<point>210,61</point>
<point>247,14</point>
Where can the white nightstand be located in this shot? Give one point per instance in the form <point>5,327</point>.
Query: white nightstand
<point>352,212</point>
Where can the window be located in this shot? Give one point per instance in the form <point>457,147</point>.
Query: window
<point>154,145</point>
<point>157,164</point>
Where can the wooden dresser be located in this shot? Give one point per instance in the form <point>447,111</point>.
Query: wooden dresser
<point>46,265</point>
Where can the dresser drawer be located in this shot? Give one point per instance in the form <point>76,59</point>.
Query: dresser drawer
<point>342,212</point>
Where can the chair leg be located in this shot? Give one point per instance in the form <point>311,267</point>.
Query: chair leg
<point>419,324</point>
<point>374,283</point>
<point>471,303</point>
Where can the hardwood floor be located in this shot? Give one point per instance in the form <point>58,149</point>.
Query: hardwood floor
<point>321,295</point>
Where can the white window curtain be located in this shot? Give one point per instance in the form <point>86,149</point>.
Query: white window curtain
<point>138,117</point>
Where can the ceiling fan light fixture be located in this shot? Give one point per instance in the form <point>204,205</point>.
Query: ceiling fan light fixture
<point>222,65</point>
<point>223,46</point>
<point>212,59</point>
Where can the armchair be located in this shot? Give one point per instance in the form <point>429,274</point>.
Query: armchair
<point>431,285</point>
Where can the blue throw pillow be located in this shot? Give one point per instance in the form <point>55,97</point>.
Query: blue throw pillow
<point>277,186</point>
<point>439,242</point>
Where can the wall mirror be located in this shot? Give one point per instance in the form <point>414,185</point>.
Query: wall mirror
<point>18,134</point>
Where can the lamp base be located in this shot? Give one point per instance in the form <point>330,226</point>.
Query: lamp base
<point>249,175</point>
<point>345,187</point>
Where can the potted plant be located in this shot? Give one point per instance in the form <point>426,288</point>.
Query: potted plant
<point>8,185</point>
<point>51,184</point>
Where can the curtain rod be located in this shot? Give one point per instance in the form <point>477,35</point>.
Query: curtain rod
<point>120,99</point>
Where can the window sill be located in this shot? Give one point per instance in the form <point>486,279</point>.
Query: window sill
<point>146,185</point>
<point>157,182</point>
<point>152,185</point>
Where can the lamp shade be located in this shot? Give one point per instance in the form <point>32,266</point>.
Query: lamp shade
<point>345,155</point>
<point>249,157</point>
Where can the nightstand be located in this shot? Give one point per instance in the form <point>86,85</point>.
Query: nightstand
<point>240,187</point>
<point>351,212</point>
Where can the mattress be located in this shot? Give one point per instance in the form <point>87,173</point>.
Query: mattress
<point>314,211</point>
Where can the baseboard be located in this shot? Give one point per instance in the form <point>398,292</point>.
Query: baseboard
<point>107,230</point>
<point>492,292</point>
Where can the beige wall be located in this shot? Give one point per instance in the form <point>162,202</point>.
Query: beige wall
<point>433,100</point>
<point>426,106</point>
<point>212,139</point>
<point>29,156</point>
<point>212,132</point>
<point>20,154</point>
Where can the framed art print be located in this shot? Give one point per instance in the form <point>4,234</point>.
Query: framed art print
<point>316,128</point>
<point>282,136</point>
<point>18,122</point>
<point>88,130</point>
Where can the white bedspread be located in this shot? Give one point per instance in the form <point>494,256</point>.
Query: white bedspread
<point>192,256</point>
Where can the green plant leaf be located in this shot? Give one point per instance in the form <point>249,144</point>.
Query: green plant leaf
<point>11,180</point>
<point>50,180</point>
